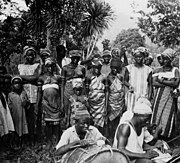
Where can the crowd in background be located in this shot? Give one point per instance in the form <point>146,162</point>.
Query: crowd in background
<point>48,94</point>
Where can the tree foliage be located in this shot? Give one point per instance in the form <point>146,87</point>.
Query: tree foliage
<point>162,23</point>
<point>130,38</point>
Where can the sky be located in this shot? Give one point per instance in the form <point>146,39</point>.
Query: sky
<point>123,11</point>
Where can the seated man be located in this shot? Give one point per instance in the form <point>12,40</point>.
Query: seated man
<point>81,134</point>
<point>131,135</point>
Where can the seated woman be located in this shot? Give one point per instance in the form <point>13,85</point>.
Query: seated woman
<point>49,97</point>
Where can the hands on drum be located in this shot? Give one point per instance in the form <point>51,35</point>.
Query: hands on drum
<point>83,143</point>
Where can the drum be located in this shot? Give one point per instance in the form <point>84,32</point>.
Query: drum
<point>104,154</point>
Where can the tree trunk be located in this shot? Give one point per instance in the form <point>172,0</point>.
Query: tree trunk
<point>48,45</point>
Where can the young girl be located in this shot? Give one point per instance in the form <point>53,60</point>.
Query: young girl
<point>18,102</point>
<point>78,99</point>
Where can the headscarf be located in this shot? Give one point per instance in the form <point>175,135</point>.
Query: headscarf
<point>50,60</point>
<point>75,53</point>
<point>142,106</point>
<point>26,49</point>
<point>77,83</point>
<point>170,53</point>
<point>159,55</point>
<point>45,51</point>
<point>82,112</point>
<point>116,54</point>
<point>16,77</point>
<point>106,53</point>
<point>142,50</point>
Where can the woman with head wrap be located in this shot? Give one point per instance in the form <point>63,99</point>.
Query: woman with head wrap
<point>95,86</point>
<point>27,71</point>
<point>69,72</point>
<point>105,69</point>
<point>49,100</point>
<point>138,78</point>
<point>165,80</point>
<point>115,97</point>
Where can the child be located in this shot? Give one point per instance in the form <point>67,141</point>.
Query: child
<point>18,102</point>
<point>78,99</point>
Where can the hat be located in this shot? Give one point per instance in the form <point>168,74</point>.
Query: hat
<point>50,60</point>
<point>81,112</point>
<point>26,49</point>
<point>170,53</point>
<point>142,106</point>
<point>45,51</point>
<point>77,83</point>
<point>106,53</point>
<point>75,53</point>
<point>16,77</point>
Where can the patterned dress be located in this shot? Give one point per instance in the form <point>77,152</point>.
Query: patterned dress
<point>97,100</point>
<point>164,107</point>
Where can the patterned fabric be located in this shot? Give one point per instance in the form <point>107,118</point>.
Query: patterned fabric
<point>116,99</point>
<point>51,104</point>
<point>30,89</point>
<point>17,104</point>
<point>163,110</point>
<point>77,102</point>
<point>97,100</point>
<point>164,107</point>
<point>138,78</point>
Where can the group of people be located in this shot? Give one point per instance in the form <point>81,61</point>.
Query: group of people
<point>88,99</point>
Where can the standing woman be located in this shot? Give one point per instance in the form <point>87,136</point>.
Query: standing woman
<point>165,80</point>
<point>26,71</point>
<point>69,72</point>
<point>96,95</point>
<point>138,78</point>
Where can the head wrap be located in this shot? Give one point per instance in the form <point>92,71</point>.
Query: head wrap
<point>115,54</point>
<point>75,53</point>
<point>81,112</point>
<point>16,77</point>
<point>45,52</point>
<point>142,50</point>
<point>158,55</point>
<point>26,49</point>
<point>170,53</point>
<point>96,63</point>
<point>50,60</point>
<point>77,83</point>
<point>106,53</point>
<point>142,106</point>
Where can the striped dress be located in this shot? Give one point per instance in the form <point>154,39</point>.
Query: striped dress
<point>96,99</point>
<point>138,78</point>
<point>164,106</point>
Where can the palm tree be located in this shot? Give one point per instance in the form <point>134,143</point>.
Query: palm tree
<point>96,19</point>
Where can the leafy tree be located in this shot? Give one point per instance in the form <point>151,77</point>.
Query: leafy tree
<point>162,23</point>
<point>130,38</point>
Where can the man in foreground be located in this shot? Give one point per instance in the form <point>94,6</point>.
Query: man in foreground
<point>82,134</point>
<point>132,136</point>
